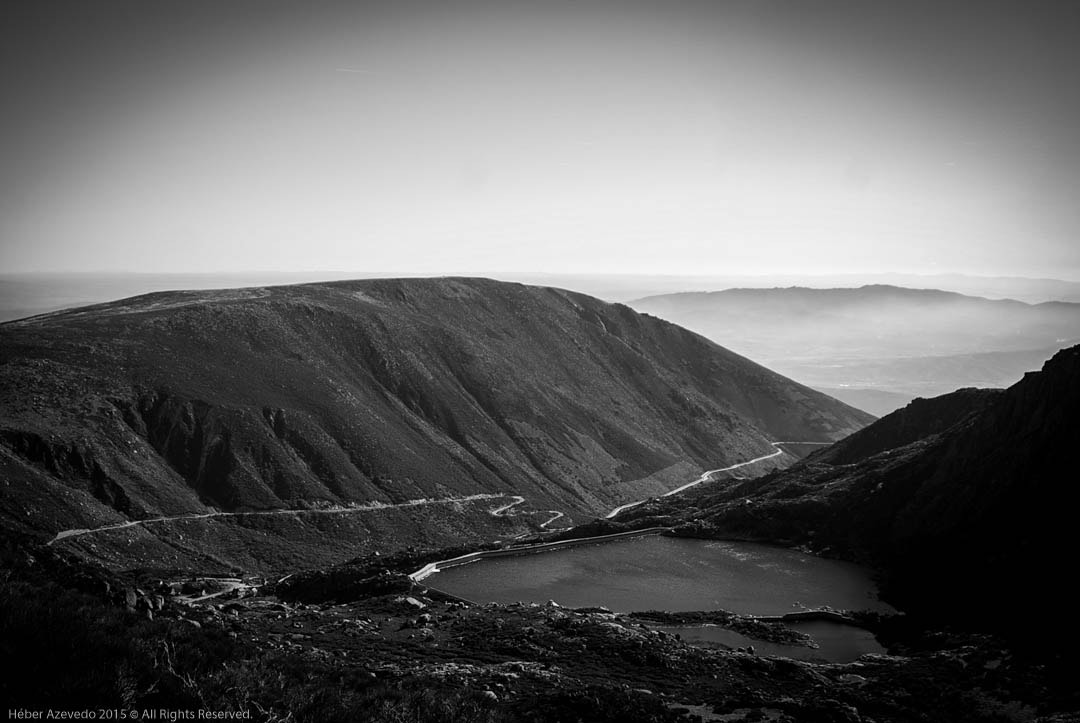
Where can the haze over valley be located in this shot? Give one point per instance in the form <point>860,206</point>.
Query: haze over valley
<point>878,347</point>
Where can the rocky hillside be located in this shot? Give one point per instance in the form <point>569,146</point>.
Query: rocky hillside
<point>971,519</point>
<point>386,650</point>
<point>384,391</point>
<point>920,419</point>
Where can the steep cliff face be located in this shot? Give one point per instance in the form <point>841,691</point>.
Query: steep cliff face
<point>972,519</point>
<point>385,391</point>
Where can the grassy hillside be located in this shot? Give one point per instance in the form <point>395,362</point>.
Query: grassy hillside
<point>385,391</point>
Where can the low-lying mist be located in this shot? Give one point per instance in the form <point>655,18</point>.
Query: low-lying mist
<point>878,346</point>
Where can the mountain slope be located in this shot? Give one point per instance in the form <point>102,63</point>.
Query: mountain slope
<point>921,418</point>
<point>382,390</point>
<point>970,517</point>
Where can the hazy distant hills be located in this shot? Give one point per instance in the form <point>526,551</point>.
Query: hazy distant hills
<point>869,320</point>
<point>966,501</point>
<point>26,294</point>
<point>381,390</point>
<point>892,342</point>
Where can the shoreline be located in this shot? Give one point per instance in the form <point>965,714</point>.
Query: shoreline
<point>533,549</point>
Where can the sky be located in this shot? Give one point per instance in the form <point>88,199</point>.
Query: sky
<point>674,137</point>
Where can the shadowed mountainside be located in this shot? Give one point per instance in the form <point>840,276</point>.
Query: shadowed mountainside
<point>372,391</point>
<point>921,418</point>
<point>965,502</point>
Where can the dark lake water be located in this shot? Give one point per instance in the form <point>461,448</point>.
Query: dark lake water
<point>667,573</point>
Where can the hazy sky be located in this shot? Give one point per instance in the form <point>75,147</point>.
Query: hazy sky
<point>648,137</point>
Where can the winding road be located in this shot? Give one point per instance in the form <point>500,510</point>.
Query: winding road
<point>708,475</point>
<point>497,512</point>
<point>517,500</point>
<point>67,534</point>
<point>501,511</point>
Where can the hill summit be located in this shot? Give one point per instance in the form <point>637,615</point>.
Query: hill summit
<point>373,392</point>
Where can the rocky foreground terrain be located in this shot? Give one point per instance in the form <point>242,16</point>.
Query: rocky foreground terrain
<point>373,646</point>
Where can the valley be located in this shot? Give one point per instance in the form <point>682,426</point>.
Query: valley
<point>270,477</point>
<point>946,497</point>
<point>539,362</point>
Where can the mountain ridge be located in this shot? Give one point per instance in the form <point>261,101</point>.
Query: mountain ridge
<point>842,294</point>
<point>903,342</point>
<point>374,391</point>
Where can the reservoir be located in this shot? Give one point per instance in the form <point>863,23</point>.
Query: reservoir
<point>680,574</point>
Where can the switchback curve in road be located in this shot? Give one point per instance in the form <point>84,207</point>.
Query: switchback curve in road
<point>517,500</point>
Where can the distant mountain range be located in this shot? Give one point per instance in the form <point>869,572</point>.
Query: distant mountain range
<point>965,502</point>
<point>884,339</point>
<point>384,391</point>
<point>26,294</point>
